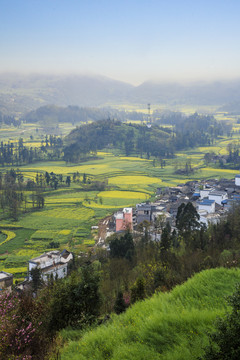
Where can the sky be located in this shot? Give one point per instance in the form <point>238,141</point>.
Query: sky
<point>128,40</point>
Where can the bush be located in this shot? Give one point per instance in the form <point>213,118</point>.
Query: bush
<point>225,341</point>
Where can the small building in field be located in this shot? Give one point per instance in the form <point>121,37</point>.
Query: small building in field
<point>53,263</point>
<point>124,219</point>
<point>6,281</point>
<point>208,205</point>
<point>237,180</point>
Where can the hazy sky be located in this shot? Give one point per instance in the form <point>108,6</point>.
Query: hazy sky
<point>129,40</point>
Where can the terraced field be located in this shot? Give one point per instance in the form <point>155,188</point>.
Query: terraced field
<point>69,212</point>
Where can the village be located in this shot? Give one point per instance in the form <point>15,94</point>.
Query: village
<point>211,198</point>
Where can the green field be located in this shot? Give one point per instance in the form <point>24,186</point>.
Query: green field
<point>69,212</point>
<point>169,326</point>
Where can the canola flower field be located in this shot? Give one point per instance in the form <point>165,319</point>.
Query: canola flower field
<point>70,212</point>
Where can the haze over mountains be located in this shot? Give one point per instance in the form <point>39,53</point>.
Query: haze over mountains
<point>20,94</point>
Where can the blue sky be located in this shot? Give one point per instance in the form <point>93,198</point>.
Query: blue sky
<point>132,40</point>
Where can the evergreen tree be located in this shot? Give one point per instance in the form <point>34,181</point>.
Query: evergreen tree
<point>119,305</point>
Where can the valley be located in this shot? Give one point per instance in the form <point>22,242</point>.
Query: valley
<point>70,211</point>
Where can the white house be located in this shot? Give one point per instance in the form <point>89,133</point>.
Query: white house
<point>208,205</point>
<point>217,196</point>
<point>237,180</point>
<point>204,193</point>
<point>207,218</point>
<point>6,281</point>
<point>52,262</point>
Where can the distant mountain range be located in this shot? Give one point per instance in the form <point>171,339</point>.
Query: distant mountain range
<point>20,94</point>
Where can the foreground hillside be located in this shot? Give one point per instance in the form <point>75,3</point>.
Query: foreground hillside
<point>168,326</point>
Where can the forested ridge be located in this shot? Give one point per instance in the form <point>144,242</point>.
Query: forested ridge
<point>155,140</point>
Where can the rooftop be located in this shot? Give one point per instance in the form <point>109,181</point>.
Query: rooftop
<point>217,193</point>
<point>206,202</point>
<point>119,216</point>
<point>46,257</point>
<point>4,275</point>
<point>127,210</point>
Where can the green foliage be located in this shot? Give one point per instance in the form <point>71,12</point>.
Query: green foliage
<point>166,238</point>
<point>36,276</point>
<point>138,291</point>
<point>187,218</point>
<point>105,133</point>
<point>122,247</point>
<point>170,326</point>
<point>225,341</point>
<point>54,245</point>
<point>75,301</point>
<point>119,305</point>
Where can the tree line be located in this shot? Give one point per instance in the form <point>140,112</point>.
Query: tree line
<point>16,153</point>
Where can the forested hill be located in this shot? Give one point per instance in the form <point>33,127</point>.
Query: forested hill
<point>74,114</point>
<point>139,139</point>
<point>130,138</point>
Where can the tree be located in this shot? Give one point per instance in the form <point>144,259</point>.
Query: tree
<point>122,247</point>
<point>166,238</point>
<point>225,341</point>
<point>36,276</point>
<point>138,291</point>
<point>187,218</point>
<point>68,180</point>
<point>119,305</point>
<point>75,300</point>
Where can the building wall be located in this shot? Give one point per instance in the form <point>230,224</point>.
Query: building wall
<point>217,199</point>
<point>6,284</point>
<point>128,218</point>
<point>59,272</point>
<point>237,181</point>
<point>209,208</point>
<point>204,193</point>
<point>120,224</point>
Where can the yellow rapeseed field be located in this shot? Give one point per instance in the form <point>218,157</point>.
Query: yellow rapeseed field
<point>133,180</point>
<point>123,194</point>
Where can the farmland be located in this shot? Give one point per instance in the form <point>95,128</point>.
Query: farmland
<point>70,212</point>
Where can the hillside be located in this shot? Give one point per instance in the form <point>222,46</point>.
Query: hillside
<point>109,133</point>
<point>20,94</point>
<point>169,326</point>
<point>232,108</point>
<point>51,114</point>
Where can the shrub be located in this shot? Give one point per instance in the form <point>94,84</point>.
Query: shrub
<point>225,341</point>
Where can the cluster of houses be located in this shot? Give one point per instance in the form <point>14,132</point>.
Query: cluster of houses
<point>52,264</point>
<point>211,198</point>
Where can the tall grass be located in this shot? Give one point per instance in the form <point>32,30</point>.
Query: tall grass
<point>170,326</point>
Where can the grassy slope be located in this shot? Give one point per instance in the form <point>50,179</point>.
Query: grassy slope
<point>169,326</point>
